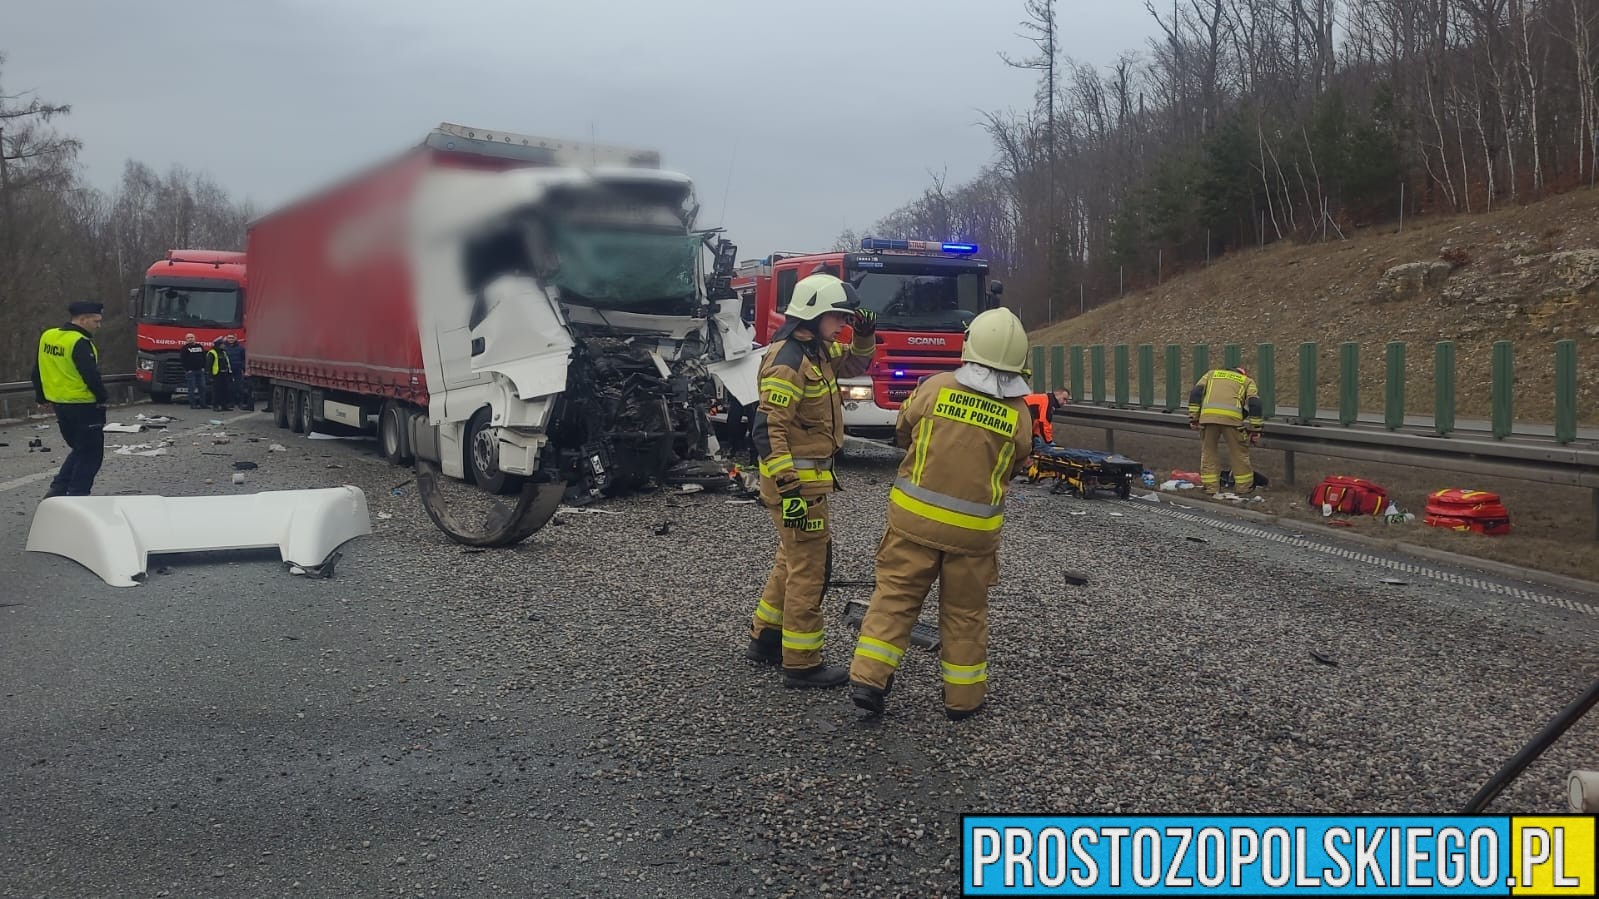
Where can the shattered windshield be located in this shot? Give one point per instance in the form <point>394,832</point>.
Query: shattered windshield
<point>192,306</point>
<point>620,247</point>
<point>618,268</point>
<point>910,301</point>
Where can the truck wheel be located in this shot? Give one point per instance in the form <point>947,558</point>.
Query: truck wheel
<point>295,410</point>
<point>163,397</point>
<point>280,407</point>
<point>307,422</point>
<point>392,437</point>
<point>482,458</point>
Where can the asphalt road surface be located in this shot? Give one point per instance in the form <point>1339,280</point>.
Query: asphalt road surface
<point>573,717</point>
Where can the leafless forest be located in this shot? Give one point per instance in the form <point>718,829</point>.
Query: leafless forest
<point>61,239</point>
<point>1245,122</point>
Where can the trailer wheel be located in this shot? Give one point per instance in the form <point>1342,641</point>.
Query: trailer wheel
<point>482,458</point>
<point>280,407</point>
<point>392,436</point>
<point>299,411</point>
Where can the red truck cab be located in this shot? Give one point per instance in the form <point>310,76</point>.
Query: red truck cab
<point>199,292</point>
<point>925,293</point>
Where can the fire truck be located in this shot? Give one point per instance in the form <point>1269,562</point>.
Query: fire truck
<point>924,292</point>
<point>199,292</point>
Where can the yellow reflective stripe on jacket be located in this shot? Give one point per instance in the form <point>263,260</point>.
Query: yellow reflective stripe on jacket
<point>996,480</point>
<point>880,650</point>
<point>59,377</point>
<point>950,510</point>
<point>835,349</point>
<point>974,409</point>
<point>768,613</point>
<point>802,640</point>
<point>924,431</point>
<point>771,467</point>
<point>964,674</point>
<point>820,388</point>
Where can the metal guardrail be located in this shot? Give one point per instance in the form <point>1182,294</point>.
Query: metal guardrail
<point>1544,461</point>
<point>10,390</point>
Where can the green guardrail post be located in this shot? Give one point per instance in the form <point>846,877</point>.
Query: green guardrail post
<point>1175,389</point>
<point>1565,391</point>
<point>1201,361</point>
<point>1096,363</point>
<point>1443,376</point>
<point>1077,375</point>
<point>1348,383</point>
<point>1038,369</point>
<point>1232,356</point>
<point>1146,375</point>
<point>1122,374</point>
<point>1503,385</point>
<point>1266,378</point>
<point>1307,383</point>
<point>1057,367</point>
<point>1394,387</point>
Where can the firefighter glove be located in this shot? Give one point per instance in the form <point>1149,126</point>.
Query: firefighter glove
<point>795,511</point>
<point>865,322</point>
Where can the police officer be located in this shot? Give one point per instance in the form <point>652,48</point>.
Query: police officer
<point>241,392</point>
<point>1225,406</point>
<point>799,427</point>
<point>220,369</point>
<point>67,377</point>
<point>967,433</point>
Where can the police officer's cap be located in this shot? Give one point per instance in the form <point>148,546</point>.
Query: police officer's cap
<point>85,307</point>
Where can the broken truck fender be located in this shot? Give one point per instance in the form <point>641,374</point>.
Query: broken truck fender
<point>739,377</point>
<point>113,536</point>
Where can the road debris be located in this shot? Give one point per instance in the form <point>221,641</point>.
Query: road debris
<point>1324,659</point>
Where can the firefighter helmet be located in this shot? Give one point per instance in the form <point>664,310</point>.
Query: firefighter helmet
<point>997,339</point>
<point>821,293</point>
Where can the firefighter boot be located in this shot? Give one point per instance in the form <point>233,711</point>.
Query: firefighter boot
<point>767,649</point>
<point>871,699</point>
<point>820,677</point>
<point>963,714</point>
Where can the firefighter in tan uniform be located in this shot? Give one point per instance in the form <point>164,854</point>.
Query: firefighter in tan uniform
<point>967,433</point>
<point>799,427</point>
<point>1225,406</point>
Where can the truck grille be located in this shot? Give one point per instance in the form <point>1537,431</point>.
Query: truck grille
<point>169,373</point>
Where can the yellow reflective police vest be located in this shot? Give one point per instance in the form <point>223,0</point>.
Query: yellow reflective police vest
<point>58,374</point>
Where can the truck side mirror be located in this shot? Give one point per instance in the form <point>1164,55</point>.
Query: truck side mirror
<point>133,303</point>
<point>995,290</point>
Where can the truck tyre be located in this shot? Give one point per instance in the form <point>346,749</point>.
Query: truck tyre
<point>293,399</point>
<point>482,461</point>
<point>162,396</point>
<point>280,407</point>
<point>307,422</point>
<point>392,437</point>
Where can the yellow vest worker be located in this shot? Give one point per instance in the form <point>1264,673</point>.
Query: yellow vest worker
<point>1225,406</point>
<point>967,433</point>
<point>799,427</point>
<point>67,376</point>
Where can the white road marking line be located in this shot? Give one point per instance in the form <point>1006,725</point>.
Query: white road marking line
<point>25,480</point>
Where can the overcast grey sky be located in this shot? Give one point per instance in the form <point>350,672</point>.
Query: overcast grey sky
<point>826,113</point>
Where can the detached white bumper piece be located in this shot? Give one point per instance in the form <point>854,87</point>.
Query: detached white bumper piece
<point>113,536</point>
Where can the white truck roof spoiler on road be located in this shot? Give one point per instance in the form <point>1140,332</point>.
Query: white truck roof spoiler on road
<point>113,536</point>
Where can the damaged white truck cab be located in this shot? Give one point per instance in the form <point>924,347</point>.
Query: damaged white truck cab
<point>535,318</point>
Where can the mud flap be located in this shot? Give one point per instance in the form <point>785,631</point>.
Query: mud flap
<point>113,536</point>
<point>923,634</point>
<point>502,525</point>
